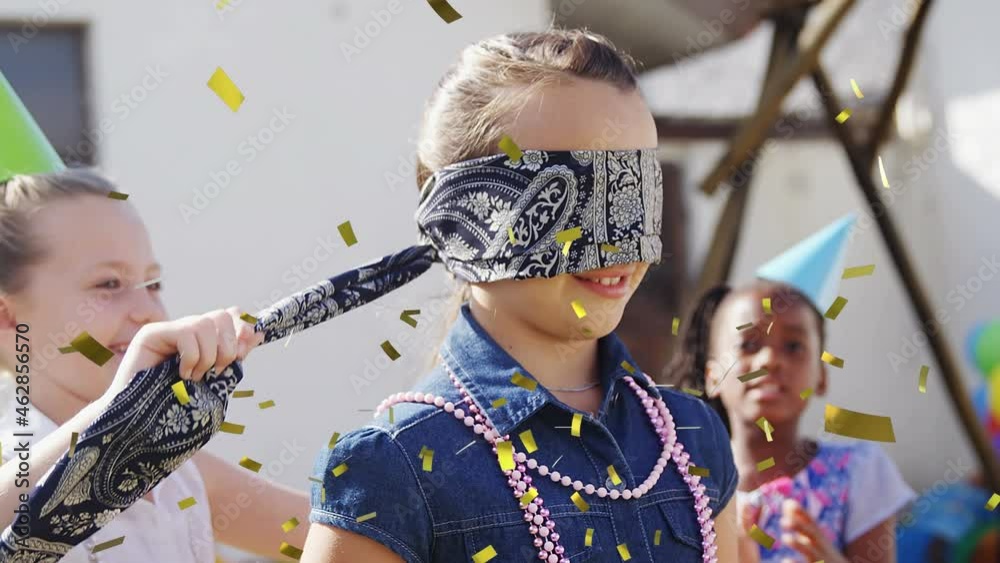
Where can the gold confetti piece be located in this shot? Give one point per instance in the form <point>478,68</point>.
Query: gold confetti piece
<point>499,403</point>
<point>72,443</point>
<point>366,517</point>
<point>510,235</point>
<point>91,349</point>
<point>753,375</point>
<point>407,317</point>
<point>180,391</point>
<point>699,471</point>
<point>881,171</point>
<point>857,89</point>
<point>581,504</point>
<point>390,351</point>
<point>117,195</point>
<point>247,317</point>
<point>322,494</point>
<point>67,350</point>
<point>243,394</point>
<point>265,404</point>
<point>691,391</point>
<point>528,439</point>
<point>588,539</point>
<point>993,502</point>
<point>231,428</point>
<point>522,381</point>
<point>628,367</point>
<point>484,555</point>
<point>761,537</point>
<point>623,552</point>
<point>250,464</point>
<point>508,146</point>
<point>922,384</point>
<point>656,537</point>
<point>769,327</point>
<point>832,360</point>
<point>858,425</point>
<point>333,441</point>
<point>610,248</point>
<point>576,425</point>
<point>858,271</point>
<point>675,327</point>
<point>226,89</point>
<point>834,311</point>
<point>221,4</point>
<point>806,394</point>
<point>428,464</point>
<point>290,550</point>
<point>569,235</point>
<point>392,416</point>
<point>844,115</point>
<point>566,246</point>
<point>765,465</point>
<point>423,450</point>
<point>744,326</point>
<point>108,544</point>
<point>184,504</point>
<point>614,475</point>
<point>315,479</point>
<point>290,524</point>
<point>339,470</point>
<point>766,302</point>
<point>505,455</point>
<point>347,233</point>
<point>765,425</point>
<point>528,496</point>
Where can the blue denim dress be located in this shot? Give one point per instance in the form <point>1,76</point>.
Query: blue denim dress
<point>464,505</point>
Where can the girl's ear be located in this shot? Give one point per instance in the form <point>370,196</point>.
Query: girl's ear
<point>713,375</point>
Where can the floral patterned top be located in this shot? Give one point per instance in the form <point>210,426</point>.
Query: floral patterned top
<point>847,488</point>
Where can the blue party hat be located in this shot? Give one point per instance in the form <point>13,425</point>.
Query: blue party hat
<point>813,266</point>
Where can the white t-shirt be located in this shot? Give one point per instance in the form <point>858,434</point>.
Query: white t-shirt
<point>154,531</point>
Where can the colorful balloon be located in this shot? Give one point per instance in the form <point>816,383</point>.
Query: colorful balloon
<point>971,339</point>
<point>988,348</point>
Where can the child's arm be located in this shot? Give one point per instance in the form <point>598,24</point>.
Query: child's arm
<point>877,545</point>
<point>733,545</point>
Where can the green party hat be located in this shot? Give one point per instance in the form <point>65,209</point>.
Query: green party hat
<point>23,147</point>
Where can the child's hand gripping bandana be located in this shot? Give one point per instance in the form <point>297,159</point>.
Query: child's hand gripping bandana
<point>488,219</point>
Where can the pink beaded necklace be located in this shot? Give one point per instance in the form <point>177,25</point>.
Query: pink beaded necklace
<point>546,539</point>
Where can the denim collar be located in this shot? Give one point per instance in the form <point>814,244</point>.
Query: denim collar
<point>485,370</point>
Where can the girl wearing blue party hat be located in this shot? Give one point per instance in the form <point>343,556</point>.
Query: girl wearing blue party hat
<point>829,501</point>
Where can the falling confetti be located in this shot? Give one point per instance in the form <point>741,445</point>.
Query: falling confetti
<point>366,517</point>
<point>72,443</point>
<point>576,425</point>
<point>390,351</point>
<point>528,496</point>
<point>656,537</point>
<point>250,464</point>
<point>339,470</point>
<point>290,524</point>
<point>690,391</point>
<point>623,552</point>
<point>508,146</point>
<point>117,195</point>
<point>881,170</point>
<point>505,455</point>
<point>765,425</point>
<point>247,317</point>
<point>265,404</point>
<point>766,303</point>
<point>243,394</point>
<point>765,464</point>
<point>588,540</point>
<point>858,271</point>
<point>528,439</point>
<point>428,461</point>
<point>290,550</point>
<point>333,441</point>
<point>613,474</point>
<point>180,391</point>
<point>90,348</point>
<point>844,115</point>
<point>578,309</point>
<point>231,428</point>
<point>753,375</point>
<point>347,233</point>
<point>569,235</point>
<point>858,425</point>
<point>761,537</point>
<point>834,311</point>
<point>510,235</point>
<point>806,394</point>
<point>832,360</point>
<point>922,383</point>
<point>610,248</point>
<point>407,317</point>
<point>744,326</point>
<point>184,504</point>
<point>484,555</point>
<point>499,403</point>
<point>581,504</point>
<point>226,89</point>
<point>857,89</point>
<point>445,11</point>
<point>993,502</point>
<point>699,471</point>
<point>676,326</point>
<point>524,382</point>
<point>108,544</point>
<point>628,367</point>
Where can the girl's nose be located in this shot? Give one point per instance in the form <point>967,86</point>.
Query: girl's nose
<point>146,307</point>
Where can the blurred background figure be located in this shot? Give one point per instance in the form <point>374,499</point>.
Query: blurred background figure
<point>333,95</point>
